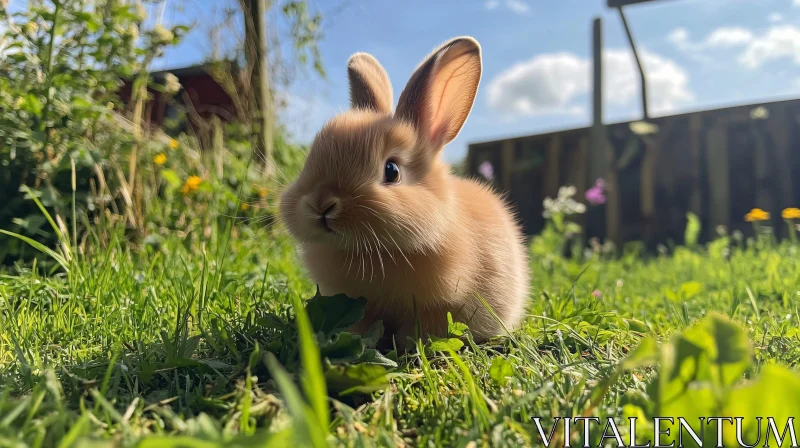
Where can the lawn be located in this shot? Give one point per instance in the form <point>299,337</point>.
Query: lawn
<point>149,298</point>
<point>195,341</point>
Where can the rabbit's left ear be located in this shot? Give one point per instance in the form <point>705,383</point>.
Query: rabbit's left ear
<point>439,96</point>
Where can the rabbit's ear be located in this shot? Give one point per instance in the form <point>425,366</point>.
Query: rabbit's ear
<point>438,98</point>
<point>369,84</point>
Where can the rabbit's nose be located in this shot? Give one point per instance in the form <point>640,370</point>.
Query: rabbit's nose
<point>328,210</point>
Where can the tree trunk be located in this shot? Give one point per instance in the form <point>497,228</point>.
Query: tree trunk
<point>255,17</point>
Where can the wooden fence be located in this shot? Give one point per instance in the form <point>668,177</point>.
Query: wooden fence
<point>717,164</point>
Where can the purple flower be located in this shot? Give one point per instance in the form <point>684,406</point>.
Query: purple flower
<point>597,194</point>
<point>486,170</point>
<point>597,294</point>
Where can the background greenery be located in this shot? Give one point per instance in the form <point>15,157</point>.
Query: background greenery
<point>148,298</point>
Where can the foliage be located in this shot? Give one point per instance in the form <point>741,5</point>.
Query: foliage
<point>560,228</point>
<point>700,374</point>
<point>61,69</point>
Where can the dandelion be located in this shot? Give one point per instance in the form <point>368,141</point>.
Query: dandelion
<point>486,170</point>
<point>160,159</point>
<point>262,192</point>
<point>791,213</point>
<point>596,195</point>
<point>173,144</point>
<point>192,183</point>
<point>244,206</point>
<point>756,214</point>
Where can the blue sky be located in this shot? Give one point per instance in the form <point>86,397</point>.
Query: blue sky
<point>698,54</point>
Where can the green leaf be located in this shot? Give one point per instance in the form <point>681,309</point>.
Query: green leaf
<point>372,356</point>
<point>361,378</point>
<point>343,347</point>
<point>172,178</point>
<point>455,328</point>
<point>637,325</point>
<point>501,370</point>
<point>775,393</point>
<point>373,335</point>
<point>692,230</point>
<point>32,104</point>
<point>445,344</point>
<point>335,313</point>
<point>690,289</point>
<point>645,354</point>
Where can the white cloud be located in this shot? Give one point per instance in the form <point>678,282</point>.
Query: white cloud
<point>775,17</point>
<point>679,37</point>
<point>778,42</point>
<point>551,83</point>
<point>724,37</point>
<point>728,37</point>
<point>546,84</point>
<point>517,6</point>
<point>796,2</point>
<point>667,82</point>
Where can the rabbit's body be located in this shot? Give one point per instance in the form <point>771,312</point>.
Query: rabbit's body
<point>378,214</point>
<point>484,258</point>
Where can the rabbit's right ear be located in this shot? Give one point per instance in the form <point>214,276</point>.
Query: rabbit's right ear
<point>369,84</point>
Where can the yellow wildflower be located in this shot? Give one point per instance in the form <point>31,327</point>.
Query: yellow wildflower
<point>262,192</point>
<point>244,206</point>
<point>791,213</point>
<point>173,144</point>
<point>756,214</point>
<point>160,159</point>
<point>191,184</point>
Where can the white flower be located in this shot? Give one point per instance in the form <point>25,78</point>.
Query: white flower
<point>171,84</point>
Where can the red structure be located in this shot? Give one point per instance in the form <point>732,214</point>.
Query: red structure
<point>200,97</point>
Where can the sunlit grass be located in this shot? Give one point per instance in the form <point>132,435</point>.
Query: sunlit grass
<point>174,339</point>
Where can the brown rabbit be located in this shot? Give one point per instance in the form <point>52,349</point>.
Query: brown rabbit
<point>378,214</point>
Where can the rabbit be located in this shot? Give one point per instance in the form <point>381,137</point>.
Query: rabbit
<point>377,213</point>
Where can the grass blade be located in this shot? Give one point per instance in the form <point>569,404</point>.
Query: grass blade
<point>40,247</point>
<point>64,239</point>
<point>312,379</point>
<point>302,414</point>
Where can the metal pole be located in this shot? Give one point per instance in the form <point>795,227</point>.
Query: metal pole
<point>597,158</point>
<point>638,63</point>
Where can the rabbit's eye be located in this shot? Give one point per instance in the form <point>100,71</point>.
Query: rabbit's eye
<point>391,173</point>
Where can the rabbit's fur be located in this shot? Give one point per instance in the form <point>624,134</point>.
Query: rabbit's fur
<point>429,243</point>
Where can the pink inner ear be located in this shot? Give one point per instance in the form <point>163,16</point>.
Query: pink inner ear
<point>438,132</point>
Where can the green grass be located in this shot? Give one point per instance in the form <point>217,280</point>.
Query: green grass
<point>185,343</point>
